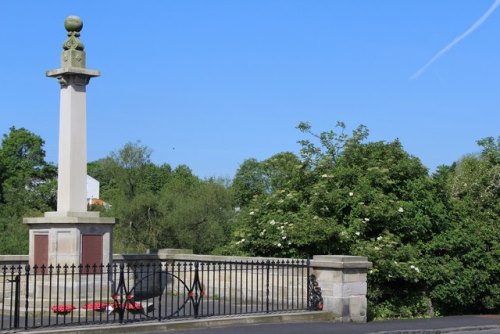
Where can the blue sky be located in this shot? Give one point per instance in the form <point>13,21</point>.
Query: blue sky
<point>212,83</point>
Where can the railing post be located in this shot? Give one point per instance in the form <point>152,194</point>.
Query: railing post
<point>267,285</point>
<point>17,297</point>
<point>121,308</point>
<point>26,304</point>
<point>195,291</point>
<point>161,289</point>
<point>308,285</point>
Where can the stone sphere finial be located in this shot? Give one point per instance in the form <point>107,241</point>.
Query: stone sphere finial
<point>73,54</point>
<point>73,24</point>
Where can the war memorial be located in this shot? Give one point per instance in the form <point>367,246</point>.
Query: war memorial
<point>72,277</point>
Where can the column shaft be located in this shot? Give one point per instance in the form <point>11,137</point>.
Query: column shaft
<point>72,186</point>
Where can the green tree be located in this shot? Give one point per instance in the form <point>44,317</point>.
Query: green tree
<point>28,182</point>
<point>27,186</point>
<point>196,214</point>
<point>130,183</point>
<point>255,178</point>
<point>248,182</point>
<point>129,163</point>
<point>346,196</point>
<point>464,260</point>
<point>157,207</point>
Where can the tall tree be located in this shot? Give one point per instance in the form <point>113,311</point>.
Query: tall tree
<point>464,260</point>
<point>28,181</point>
<point>248,182</point>
<point>27,186</point>
<point>427,236</point>
<point>129,162</point>
<point>157,207</point>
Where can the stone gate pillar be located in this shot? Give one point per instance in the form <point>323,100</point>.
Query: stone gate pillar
<point>71,235</point>
<point>342,279</point>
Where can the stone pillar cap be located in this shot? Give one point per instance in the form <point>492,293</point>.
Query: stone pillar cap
<point>341,258</point>
<point>341,261</point>
<point>72,70</point>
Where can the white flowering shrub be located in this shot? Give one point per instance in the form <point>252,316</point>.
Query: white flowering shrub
<point>432,247</point>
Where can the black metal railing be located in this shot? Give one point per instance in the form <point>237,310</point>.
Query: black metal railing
<point>35,296</point>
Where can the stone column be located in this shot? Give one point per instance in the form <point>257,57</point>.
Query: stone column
<point>72,168</point>
<point>343,285</point>
<point>62,235</point>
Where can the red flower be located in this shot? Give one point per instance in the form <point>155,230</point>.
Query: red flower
<point>115,296</point>
<point>134,306</point>
<point>62,309</point>
<point>95,306</point>
<point>129,297</point>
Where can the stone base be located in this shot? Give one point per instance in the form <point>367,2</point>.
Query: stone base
<point>58,237</point>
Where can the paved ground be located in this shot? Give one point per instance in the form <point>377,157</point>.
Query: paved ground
<point>460,324</point>
<point>301,323</point>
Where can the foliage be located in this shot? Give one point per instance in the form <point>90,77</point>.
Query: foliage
<point>196,214</point>
<point>427,236</point>
<point>465,258</point>
<point>434,240</point>
<point>27,187</point>
<point>157,207</point>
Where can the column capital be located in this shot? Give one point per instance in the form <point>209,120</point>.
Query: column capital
<point>73,76</point>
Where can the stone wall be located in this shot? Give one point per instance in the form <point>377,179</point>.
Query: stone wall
<point>342,279</point>
<point>237,279</point>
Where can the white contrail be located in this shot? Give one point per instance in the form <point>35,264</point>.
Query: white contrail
<point>457,39</point>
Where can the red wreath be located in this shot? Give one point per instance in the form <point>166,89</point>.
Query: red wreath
<point>62,309</point>
<point>95,306</point>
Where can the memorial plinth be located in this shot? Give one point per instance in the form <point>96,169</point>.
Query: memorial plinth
<point>71,235</point>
